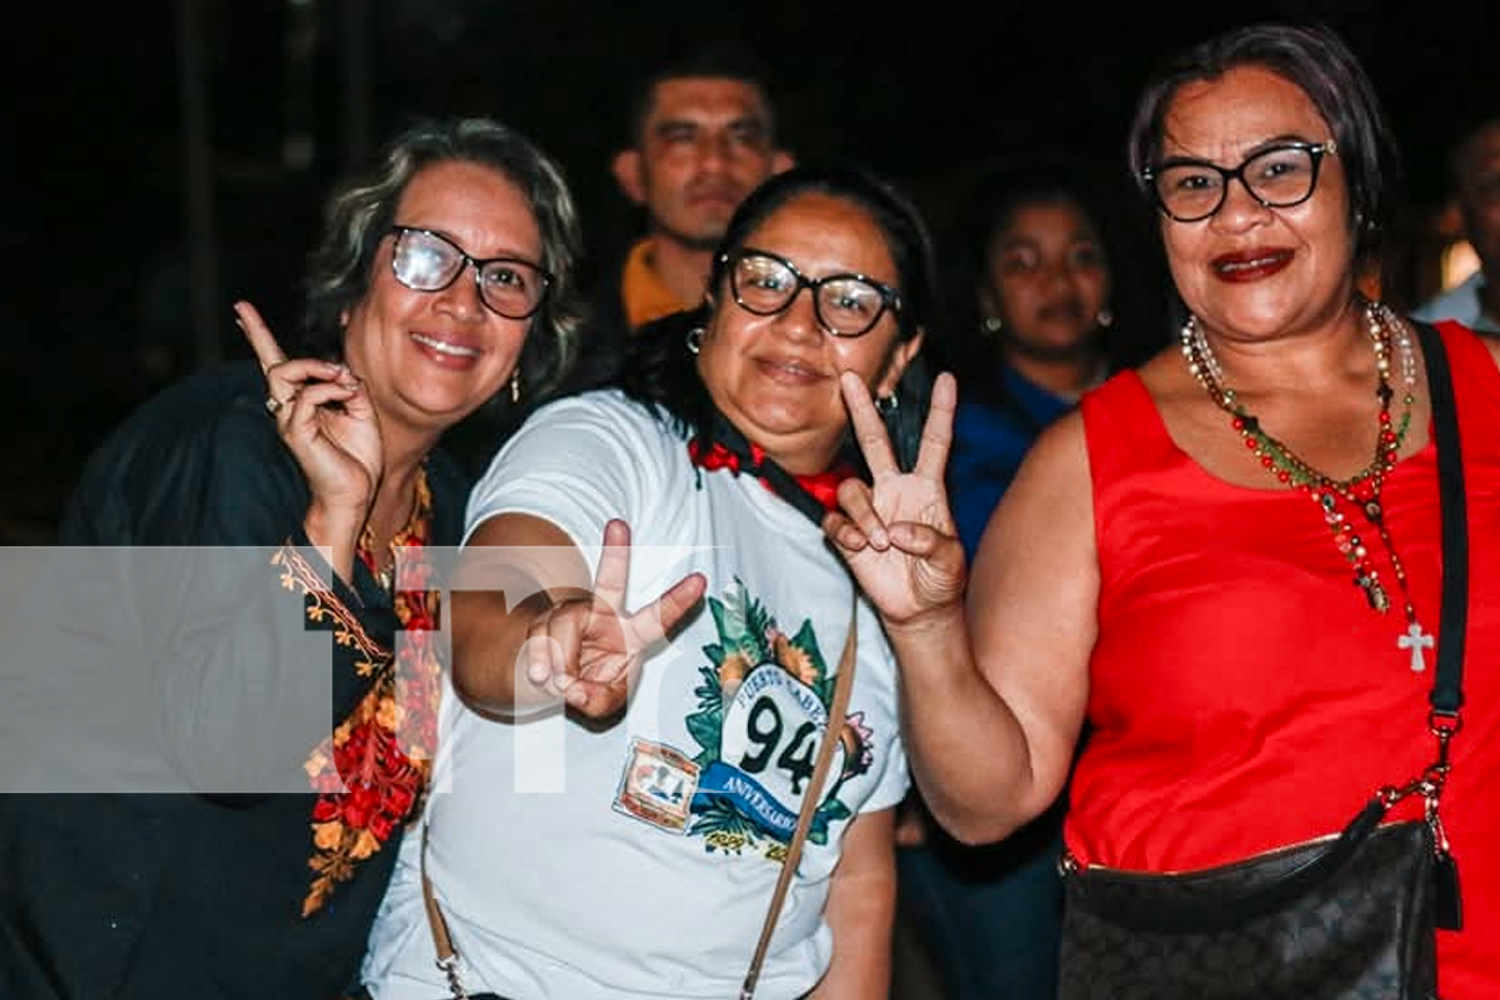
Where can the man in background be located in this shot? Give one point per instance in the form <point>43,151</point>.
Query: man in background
<point>1476,177</point>
<point>702,136</point>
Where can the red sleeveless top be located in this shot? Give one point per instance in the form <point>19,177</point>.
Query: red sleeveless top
<point>1244,696</point>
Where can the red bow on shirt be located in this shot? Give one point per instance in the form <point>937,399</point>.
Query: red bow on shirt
<point>814,495</point>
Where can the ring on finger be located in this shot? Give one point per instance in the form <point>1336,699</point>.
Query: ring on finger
<point>274,405</point>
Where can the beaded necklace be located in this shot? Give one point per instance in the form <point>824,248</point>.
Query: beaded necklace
<point>1361,491</point>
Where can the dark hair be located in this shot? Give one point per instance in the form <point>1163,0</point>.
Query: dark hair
<point>1315,59</point>
<point>360,212</point>
<point>660,372</point>
<point>986,206</point>
<point>715,60</point>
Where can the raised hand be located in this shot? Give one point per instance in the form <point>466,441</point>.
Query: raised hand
<point>325,416</point>
<point>587,650</point>
<point>897,533</point>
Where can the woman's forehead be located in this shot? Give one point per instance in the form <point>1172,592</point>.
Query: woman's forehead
<point>1227,116</point>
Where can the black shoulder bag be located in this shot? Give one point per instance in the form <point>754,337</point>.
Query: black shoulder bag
<point>1349,916</point>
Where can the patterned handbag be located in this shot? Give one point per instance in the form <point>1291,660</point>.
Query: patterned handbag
<point>1351,916</point>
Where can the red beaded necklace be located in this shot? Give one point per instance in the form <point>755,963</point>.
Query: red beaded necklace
<point>1360,491</point>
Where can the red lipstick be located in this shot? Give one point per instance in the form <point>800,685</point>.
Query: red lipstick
<point>1250,265</point>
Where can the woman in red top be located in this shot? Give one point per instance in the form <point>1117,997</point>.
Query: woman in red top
<point>1174,561</point>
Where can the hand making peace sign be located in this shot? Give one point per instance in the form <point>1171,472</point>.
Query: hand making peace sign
<point>897,533</point>
<point>586,650</point>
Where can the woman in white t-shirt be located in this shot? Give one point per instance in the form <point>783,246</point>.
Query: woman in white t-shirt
<point>646,630</point>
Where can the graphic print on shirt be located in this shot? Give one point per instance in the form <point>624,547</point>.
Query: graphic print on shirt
<point>761,716</point>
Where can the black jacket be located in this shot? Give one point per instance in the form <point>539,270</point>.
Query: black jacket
<point>197,894</point>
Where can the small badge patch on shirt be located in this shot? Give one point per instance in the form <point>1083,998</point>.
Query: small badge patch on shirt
<point>657,785</point>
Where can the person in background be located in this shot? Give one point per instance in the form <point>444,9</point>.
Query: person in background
<point>1037,321</point>
<point>1043,308</point>
<point>1476,181</point>
<point>680,766</point>
<point>701,135</point>
<point>1228,561</point>
<point>442,280</point>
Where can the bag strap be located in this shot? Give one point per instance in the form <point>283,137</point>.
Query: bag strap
<point>447,955</point>
<point>1447,683</point>
<point>843,683</point>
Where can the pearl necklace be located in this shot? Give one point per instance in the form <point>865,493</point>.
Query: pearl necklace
<point>1360,491</point>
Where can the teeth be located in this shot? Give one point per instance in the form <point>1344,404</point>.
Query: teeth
<point>443,347</point>
<point>1242,265</point>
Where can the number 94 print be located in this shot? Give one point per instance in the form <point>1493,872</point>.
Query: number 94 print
<point>762,713</point>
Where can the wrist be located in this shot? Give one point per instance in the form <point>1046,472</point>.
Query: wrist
<point>934,623</point>
<point>335,532</point>
<point>333,525</point>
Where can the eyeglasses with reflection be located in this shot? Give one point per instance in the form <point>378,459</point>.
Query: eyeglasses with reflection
<point>425,261</point>
<point>1280,176</point>
<point>846,305</point>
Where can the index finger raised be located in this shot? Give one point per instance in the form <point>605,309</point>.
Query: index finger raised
<point>262,341</point>
<point>869,429</point>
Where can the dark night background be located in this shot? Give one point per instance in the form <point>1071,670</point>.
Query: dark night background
<point>97,310</point>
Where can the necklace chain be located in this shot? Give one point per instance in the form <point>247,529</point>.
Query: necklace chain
<point>1361,491</point>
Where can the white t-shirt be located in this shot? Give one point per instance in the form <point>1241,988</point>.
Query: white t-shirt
<point>638,860</point>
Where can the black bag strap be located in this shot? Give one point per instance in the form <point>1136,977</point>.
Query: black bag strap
<point>1447,682</point>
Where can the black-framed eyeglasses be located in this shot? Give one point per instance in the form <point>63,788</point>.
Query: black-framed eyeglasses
<point>846,305</point>
<point>1280,176</point>
<point>425,261</point>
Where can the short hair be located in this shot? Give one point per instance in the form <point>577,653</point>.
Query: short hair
<point>659,371</point>
<point>714,61</point>
<point>1316,60</point>
<point>362,209</point>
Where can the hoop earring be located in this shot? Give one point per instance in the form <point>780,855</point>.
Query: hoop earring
<point>887,405</point>
<point>695,340</point>
<point>515,385</point>
<point>992,324</point>
<point>1105,319</point>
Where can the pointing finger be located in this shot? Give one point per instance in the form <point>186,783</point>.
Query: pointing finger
<point>262,341</point>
